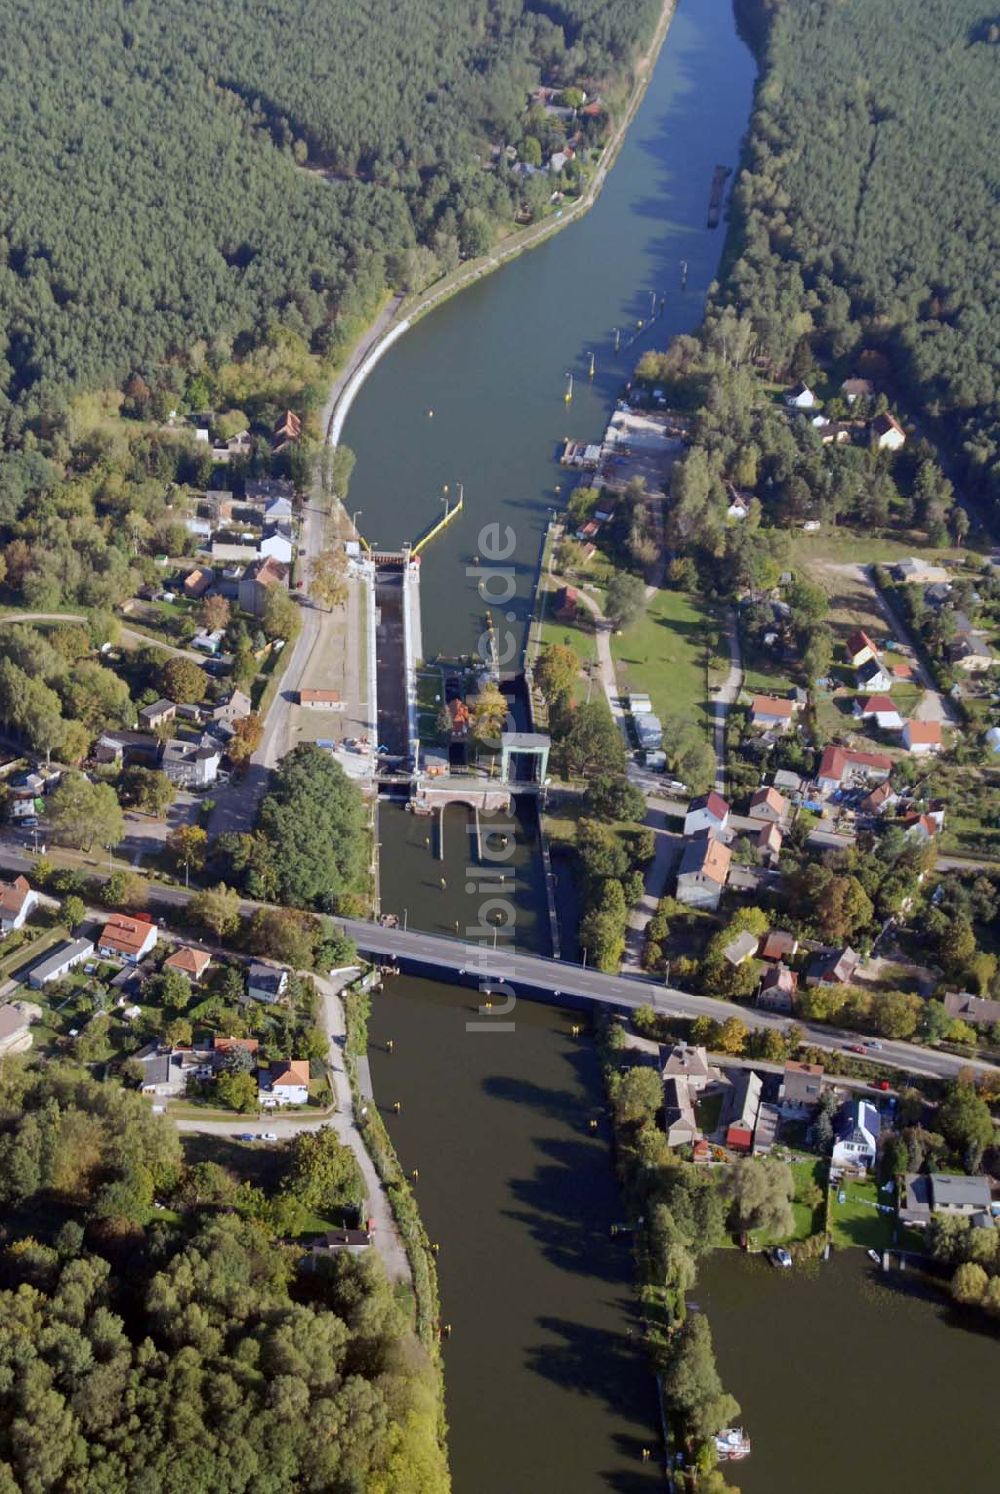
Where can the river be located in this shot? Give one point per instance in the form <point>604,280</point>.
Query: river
<point>852,1380</point>
<point>491,363</point>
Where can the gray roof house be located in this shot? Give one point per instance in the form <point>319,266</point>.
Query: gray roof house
<point>941,1193</point>
<point>678,1112</point>
<point>60,962</point>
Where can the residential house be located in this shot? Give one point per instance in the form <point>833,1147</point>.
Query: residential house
<point>285,1083</point>
<point>126,747</point>
<point>772,713</point>
<point>888,433</point>
<point>277,544</point>
<point>236,707</point>
<point>833,967</point>
<point>689,1061</point>
<point>739,504</point>
<point>841,767</point>
<point>874,676</point>
<point>60,962</point>
<point>128,939</point>
<point>15,1030</point>
<point>777,944</point>
<point>740,1110</point>
<point>916,572</point>
<point>860,648</point>
<point>160,1076</point>
<point>191,764</point>
<point>881,709</point>
<point>678,1112</point>
<point>256,583</point>
<point>801,1087</point>
<point>287,430</point>
<point>703,871</point>
<point>800,398</point>
<point>855,389</point>
<point>768,804</point>
<point>777,989</point>
<point>921,827</point>
<point>770,839</point>
<point>189,961</point>
<point>856,1129</point>
<point>765,1133</point>
<point>950,1194</point>
<point>266,983</point>
<point>321,700</point>
<point>741,948</point>
<point>240,445</point>
<point>835,433</point>
<point>788,783</point>
<point>978,1011</point>
<point>157,714</point>
<point>278,509</point>
<point>707,812</point>
<point>881,799</point>
<point>196,583</point>
<point>922,737</point>
<point>969,649</point>
<point>261,491</point>
<point>353,1241</point>
<point>18,900</point>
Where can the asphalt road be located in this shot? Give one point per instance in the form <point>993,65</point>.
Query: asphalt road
<point>573,984</point>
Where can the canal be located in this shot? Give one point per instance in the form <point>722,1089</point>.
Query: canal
<point>546,1386</point>
<point>491,363</point>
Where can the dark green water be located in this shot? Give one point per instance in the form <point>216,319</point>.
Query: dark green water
<point>491,363</point>
<point>546,1389</point>
<point>850,1380</point>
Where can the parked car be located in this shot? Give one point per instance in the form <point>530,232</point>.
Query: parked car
<point>882,1084</point>
<point>855,1048</point>
<point>268,1135</point>
<point>874,1043</point>
<point>247,1136</point>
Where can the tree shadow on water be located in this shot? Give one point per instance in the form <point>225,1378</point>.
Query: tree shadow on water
<point>569,1216</point>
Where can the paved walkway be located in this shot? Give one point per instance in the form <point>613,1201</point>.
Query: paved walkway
<point>725,697</point>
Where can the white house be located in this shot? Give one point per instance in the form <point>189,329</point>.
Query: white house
<point>800,398</point>
<point>190,764</point>
<point>889,434</point>
<point>128,939</point>
<point>60,962</point>
<point>922,737</point>
<point>841,766</point>
<point>856,1130</point>
<point>917,572</point>
<point>874,677</point>
<point>209,643</point>
<point>285,1083</point>
<point>277,509</point>
<point>266,983</point>
<point>703,871</point>
<point>277,544</point>
<point>881,710</point>
<point>707,812</point>
<point>772,713</point>
<point>17,900</point>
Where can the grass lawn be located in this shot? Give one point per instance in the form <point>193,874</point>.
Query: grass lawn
<point>707,1111</point>
<point>857,1221</point>
<point>843,545</point>
<point>30,950</point>
<point>665,653</point>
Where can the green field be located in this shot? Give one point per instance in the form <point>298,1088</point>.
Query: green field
<point>665,655</point>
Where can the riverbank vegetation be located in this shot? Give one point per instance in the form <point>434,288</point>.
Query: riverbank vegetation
<point>155,1329</point>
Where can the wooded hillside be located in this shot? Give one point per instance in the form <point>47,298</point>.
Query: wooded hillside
<point>152,165</point>
<point>870,203</point>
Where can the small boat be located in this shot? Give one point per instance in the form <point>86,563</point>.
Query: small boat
<point>731,1445</point>
<point>873,1255</point>
<point>779,1256</point>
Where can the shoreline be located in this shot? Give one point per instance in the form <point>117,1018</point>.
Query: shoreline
<point>377,340</point>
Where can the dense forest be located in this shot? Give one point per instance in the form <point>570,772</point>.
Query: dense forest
<point>155,167</point>
<point>187,1349</point>
<point>867,208</point>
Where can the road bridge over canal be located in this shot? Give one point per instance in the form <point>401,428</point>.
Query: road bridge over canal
<point>538,977</point>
